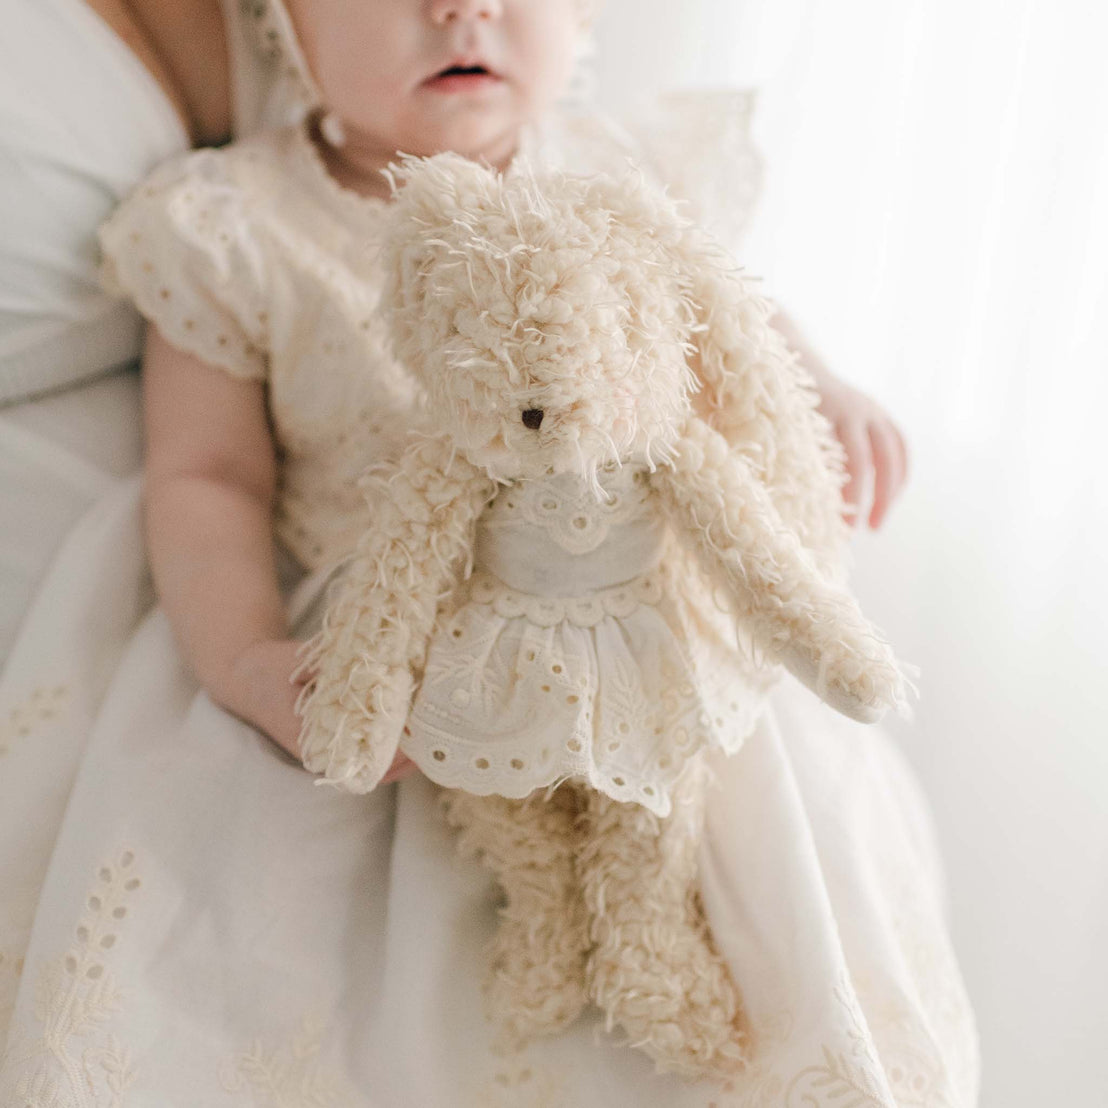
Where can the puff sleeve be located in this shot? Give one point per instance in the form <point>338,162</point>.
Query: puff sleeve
<point>185,249</point>
<point>699,144</point>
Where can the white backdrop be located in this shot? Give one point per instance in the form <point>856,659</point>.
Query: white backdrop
<point>936,217</point>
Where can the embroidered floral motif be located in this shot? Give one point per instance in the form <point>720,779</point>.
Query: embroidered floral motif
<point>524,1084</point>
<point>11,969</point>
<point>569,511</point>
<point>930,1047</point>
<point>288,1075</point>
<point>42,705</point>
<point>916,1074</point>
<point>466,673</point>
<point>847,1074</point>
<point>75,997</point>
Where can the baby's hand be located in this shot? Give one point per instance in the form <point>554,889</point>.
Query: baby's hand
<point>876,456</point>
<point>268,695</point>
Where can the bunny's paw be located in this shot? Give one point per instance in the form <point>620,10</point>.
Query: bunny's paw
<point>861,685</point>
<point>351,733</point>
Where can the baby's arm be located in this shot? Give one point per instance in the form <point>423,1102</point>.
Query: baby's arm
<point>210,480</point>
<point>876,455</point>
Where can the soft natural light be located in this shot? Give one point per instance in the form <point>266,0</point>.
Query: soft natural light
<point>936,216</point>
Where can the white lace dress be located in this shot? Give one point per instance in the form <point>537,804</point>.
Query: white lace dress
<point>204,926</point>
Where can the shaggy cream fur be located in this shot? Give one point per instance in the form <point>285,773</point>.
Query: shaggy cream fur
<point>558,326</point>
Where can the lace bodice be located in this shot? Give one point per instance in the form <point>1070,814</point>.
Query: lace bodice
<point>596,538</point>
<point>255,260</point>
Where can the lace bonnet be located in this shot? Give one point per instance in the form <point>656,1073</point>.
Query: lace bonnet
<point>279,50</point>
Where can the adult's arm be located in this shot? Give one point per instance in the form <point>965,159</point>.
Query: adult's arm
<point>183,44</point>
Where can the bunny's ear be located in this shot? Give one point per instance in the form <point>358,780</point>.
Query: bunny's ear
<point>763,403</point>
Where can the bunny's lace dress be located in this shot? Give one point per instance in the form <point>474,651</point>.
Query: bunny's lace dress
<point>579,650</point>
<point>206,927</point>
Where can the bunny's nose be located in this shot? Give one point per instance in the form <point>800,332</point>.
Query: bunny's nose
<point>532,418</point>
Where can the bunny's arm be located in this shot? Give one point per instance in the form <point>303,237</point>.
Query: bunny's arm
<point>373,643</point>
<point>797,616</point>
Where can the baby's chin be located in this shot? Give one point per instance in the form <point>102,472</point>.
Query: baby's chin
<point>482,134</point>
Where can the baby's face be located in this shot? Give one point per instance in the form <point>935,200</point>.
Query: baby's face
<point>425,76</point>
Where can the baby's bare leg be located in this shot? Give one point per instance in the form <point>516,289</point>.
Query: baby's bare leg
<point>654,969</point>
<point>536,980</point>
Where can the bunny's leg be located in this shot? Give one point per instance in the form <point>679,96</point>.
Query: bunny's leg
<point>536,979</point>
<point>653,968</point>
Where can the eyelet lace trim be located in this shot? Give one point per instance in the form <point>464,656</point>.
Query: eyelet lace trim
<point>567,509</point>
<point>585,611</point>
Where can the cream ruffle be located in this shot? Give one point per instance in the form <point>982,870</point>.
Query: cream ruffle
<point>509,703</point>
<point>700,143</point>
<point>183,249</point>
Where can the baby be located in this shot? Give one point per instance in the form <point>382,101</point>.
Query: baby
<point>268,385</point>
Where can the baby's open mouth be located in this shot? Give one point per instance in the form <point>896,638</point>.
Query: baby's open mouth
<point>457,78</point>
<point>463,69</point>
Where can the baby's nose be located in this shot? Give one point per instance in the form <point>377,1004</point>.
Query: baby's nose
<point>532,418</point>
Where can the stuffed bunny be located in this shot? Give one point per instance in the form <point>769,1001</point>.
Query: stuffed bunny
<point>606,409</point>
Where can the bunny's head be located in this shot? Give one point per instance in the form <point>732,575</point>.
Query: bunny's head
<point>544,315</point>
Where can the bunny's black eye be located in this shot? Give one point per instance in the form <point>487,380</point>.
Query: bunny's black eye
<point>532,418</point>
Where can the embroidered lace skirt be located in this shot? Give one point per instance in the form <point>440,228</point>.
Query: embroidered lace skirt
<point>618,688</point>
<point>204,926</point>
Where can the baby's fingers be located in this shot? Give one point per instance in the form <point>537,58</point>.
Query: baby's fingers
<point>858,464</point>
<point>903,448</point>
<point>401,767</point>
<point>889,457</point>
